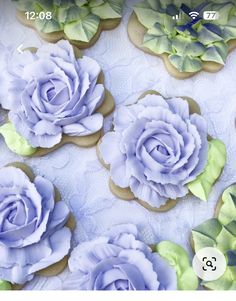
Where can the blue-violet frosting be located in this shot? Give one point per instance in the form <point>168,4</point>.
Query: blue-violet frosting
<point>33,235</point>
<point>119,260</point>
<point>51,92</point>
<point>156,148</point>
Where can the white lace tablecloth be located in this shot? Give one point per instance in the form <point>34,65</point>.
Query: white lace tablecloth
<point>81,179</point>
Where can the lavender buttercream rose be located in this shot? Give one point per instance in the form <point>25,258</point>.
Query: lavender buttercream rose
<point>157,147</point>
<point>119,260</point>
<point>51,93</point>
<point>33,235</point>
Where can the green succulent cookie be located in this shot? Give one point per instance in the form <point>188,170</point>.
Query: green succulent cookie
<point>220,232</point>
<point>187,42</point>
<point>78,19</point>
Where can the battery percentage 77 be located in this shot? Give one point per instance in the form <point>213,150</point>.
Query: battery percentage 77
<point>211,15</point>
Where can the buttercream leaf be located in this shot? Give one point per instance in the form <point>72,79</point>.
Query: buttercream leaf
<point>146,16</point>
<point>231,227</point>
<point>202,185</point>
<point>216,52</point>
<point>154,4</point>
<point>157,44</point>
<point>177,257</point>
<point>226,282</point>
<point>157,30</point>
<point>80,2</point>
<point>225,240</point>
<point>207,34</point>
<point>185,63</point>
<point>83,29</point>
<point>210,228</point>
<point>48,26</point>
<point>186,46</point>
<point>70,14</point>
<point>110,9</point>
<point>169,25</point>
<point>93,3</point>
<point>227,212</point>
<point>5,285</point>
<point>225,11</point>
<point>43,5</point>
<point>15,141</point>
<point>229,32</point>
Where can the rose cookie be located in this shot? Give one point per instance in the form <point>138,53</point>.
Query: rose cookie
<point>159,151</point>
<point>35,227</point>
<point>187,45</point>
<point>120,260</point>
<point>79,21</point>
<point>220,233</point>
<point>53,98</point>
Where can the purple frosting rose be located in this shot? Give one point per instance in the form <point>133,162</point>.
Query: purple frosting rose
<point>157,147</point>
<point>119,260</point>
<point>33,235</point>
<point>51,93</point>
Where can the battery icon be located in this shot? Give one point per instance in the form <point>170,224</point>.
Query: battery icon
<point>211,15</point>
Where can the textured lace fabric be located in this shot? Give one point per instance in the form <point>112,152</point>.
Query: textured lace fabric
<point>81,179</point>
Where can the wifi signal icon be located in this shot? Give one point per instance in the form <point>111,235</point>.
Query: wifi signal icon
<point>193,14</point>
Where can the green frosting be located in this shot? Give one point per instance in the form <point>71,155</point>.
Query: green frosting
<point>220,233</point>
<point>202,185</point>
<point>79,19</point>
<point>187,42</point>
<point>178,258</point>
<point>5,286</point>
<point>15,141</point>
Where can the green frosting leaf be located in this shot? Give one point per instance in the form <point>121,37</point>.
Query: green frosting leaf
<point>188,43</point>
<point>227,212</point>
<point>83,29</point>
<point>146,16</point>
<point>226,282</point>
<point>178,258</point>
<point>15,141</point>
<point>225,11</point>
<point>207,36</point>
<point>225,240</point>
<point>156,44</point>
<point>202,185</point>
<point>110,9</point>
<point>185,63</point>
<point>205,234</point>
<point>221,233</point>
<point>5,285</point>
<point>229,32</point>
<point>216,52</point>
<point>70,14</point>
<point>185,46</point>
<point>48,26</point>
<point>79,19</point>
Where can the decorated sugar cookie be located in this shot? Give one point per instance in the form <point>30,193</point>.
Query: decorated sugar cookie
<point>35,227</point>
<point>54,96</point>
<point>220,233</point>
<point>120,260</point>
<point>186,42</point>
<point>159,151</point>
<point>79,21</point>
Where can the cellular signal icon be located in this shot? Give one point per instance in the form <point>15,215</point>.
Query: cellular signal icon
<point>193,14</point>
<point>176,17</point>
